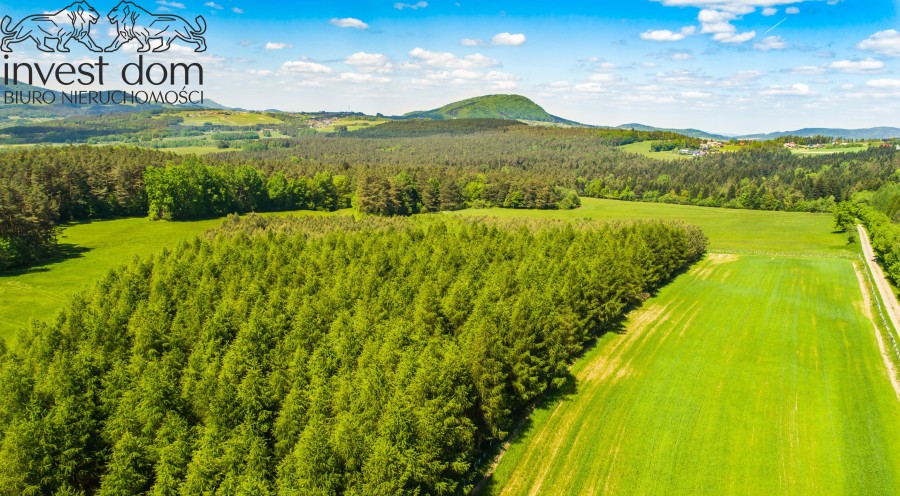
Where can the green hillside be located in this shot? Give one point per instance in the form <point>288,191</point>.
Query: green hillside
<point>510,107</point>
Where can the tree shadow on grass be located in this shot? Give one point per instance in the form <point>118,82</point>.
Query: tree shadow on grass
<point>63,252</point>
<point>487,485</point>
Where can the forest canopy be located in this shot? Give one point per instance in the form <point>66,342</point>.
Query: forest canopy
<point>317,355</point>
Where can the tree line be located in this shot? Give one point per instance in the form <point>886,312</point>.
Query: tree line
<point>879,212</point>
<point>317,355</point>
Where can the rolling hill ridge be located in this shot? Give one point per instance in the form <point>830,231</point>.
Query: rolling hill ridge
<point>509,107</point>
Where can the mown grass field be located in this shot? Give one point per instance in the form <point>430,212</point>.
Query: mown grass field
<point>756,372</point>
<point>93,248</point>
<point>829,150</point>
<point>745,231</point>
<point>643,148</point>
<point>747,375</point>
<point>226,118</point>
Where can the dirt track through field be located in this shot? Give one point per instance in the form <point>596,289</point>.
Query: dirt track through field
<point>887,296</point>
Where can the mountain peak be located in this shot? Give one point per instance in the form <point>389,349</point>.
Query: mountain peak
<point>510,107</point>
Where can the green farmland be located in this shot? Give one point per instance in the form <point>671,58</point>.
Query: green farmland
<point>744,231</point>
<point>756,372</point>
<point>748,375</point>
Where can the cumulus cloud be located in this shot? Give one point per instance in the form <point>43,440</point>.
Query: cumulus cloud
<point>809,70</point>
<point>348,22</point>
<point>889,84</point>
<point>303,66</point>
<point>472,42</point>
<point>413,6</point>
<point>174,5</point>
<point>508,39</point>
<point>885,42</point>
<point>798,89</point>
<point>213,5</point>
<point>370,62</point>
<point>277,46</point>
<point>354,77</point>
<point>237,10</point>
<point>717,17</point>
<point>770,43</point>
<point>663,35</point>
<point>857,66</point>
<point>447,60</point>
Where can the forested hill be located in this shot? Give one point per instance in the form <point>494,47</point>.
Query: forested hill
<point>317,355</point>
<point>509,107</point>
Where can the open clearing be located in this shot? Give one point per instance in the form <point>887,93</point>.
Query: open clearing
<point>92,249</point>
<point>752,375</point>
<point>226,118</point>
<point>643,148</point>
<point>742,231</point>
<point>756,372</point>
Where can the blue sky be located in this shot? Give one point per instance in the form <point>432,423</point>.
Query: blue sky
<point>732,66</point>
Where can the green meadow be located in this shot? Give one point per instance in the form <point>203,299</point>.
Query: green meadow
<point>226,118</point>
<point>747,375</point>
<point>90,249</point>
<point>756,372</point>
<point>643,148</point>
<point>743,231</point>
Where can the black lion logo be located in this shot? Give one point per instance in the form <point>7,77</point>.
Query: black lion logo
<point>71,23</point>
<point>134,23</point>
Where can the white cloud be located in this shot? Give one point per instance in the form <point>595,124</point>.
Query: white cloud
<point>883,42</point>
<point>508,39</point>
<point>734,37</point>
<point>887,84</point>
<point>666,35</point>
<point>681,56</point>
<point>683,78</point>
<point>472,42</point>
<point>213,5</point>
<point>277,46</point>
<point>302,66</point>
<point>370,62</point>
<point>260,72</point>
<point>602,78</point>
<point>695,95</point>
<point>447,60</point>
<point>769,11</point>
<point>348,22</point>
<point>413,6</point>
<point>810,70</point>
<point>174,5</point>
<point>792,10</point>
<point>798,89</point>
<point>866,65</point>
<point>354,77</point>
<point>237,10</point>
<point>770,43</point>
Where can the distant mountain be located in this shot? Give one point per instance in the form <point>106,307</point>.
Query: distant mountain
<point>693,133</point>
<point>869,133</point>
<point>508,107</point>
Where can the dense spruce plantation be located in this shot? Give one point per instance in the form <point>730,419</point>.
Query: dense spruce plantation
<point>317,355</point>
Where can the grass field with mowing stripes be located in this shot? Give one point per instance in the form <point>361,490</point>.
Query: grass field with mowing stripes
<point>747,375</point>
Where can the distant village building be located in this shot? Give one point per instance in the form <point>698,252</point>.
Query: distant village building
<point>791,145</point>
